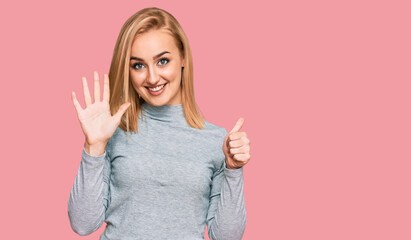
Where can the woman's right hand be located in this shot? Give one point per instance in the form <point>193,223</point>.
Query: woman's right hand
<point>96,121</point>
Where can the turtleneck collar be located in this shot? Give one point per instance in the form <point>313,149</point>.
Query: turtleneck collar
<point>164,113</point>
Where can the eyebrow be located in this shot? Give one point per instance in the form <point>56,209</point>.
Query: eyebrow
<point>156,56</point>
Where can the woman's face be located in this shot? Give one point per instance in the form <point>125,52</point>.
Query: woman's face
<point>155,62</point>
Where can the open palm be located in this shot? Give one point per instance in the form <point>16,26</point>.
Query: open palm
<point>96,121</point>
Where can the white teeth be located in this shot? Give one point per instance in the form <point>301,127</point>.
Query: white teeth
<point>156,88</point>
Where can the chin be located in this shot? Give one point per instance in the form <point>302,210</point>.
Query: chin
<point>157,102</point>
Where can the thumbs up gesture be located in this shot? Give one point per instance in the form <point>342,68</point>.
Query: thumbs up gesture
<point>236,147</point>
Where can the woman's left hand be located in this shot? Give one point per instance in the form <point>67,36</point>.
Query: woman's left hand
<point>236,147</point>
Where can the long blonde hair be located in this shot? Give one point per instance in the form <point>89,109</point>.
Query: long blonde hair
<point>121,88</point>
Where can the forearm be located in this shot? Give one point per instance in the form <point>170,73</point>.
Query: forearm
<point>230,218</point>
<point>88,198</point>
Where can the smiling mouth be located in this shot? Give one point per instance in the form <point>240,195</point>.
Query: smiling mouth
<point>157,88</point>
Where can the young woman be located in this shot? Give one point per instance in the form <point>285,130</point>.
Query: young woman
<point>155,169</point>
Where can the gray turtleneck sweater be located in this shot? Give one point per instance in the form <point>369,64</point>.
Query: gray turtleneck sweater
<point>167,182</point>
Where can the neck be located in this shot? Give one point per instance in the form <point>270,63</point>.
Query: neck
<point>164,113</point>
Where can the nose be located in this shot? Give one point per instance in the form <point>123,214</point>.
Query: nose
<point>152,78</point>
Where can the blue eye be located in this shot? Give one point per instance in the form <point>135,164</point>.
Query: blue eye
<point>137,64</point>
<point>161,60</point>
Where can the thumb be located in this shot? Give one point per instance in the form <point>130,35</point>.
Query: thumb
<point>121,111</point>
<point>238,125</point>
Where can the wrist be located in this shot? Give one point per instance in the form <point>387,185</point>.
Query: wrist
<point>232,168</point>
<point>96,149</point>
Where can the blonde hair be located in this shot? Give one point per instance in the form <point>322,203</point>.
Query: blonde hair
<point>121,88</point>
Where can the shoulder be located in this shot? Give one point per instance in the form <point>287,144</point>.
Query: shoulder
<point>211,126</point>
<point>219,134</point>
<point>215,132</point>
<point>117,138</point>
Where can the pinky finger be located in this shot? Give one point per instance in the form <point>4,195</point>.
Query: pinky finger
<point>76,103</point>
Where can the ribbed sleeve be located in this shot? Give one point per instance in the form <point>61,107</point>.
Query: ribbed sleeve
<point>226,218</point>
<point>90,195</point>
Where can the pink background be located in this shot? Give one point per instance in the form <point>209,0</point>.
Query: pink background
<point>324,87</point>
